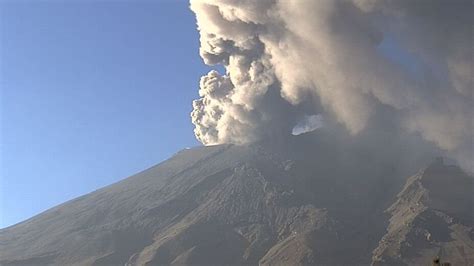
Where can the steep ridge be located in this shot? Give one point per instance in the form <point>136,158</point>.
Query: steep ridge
<point>433,216</point>
<point>310,200</point>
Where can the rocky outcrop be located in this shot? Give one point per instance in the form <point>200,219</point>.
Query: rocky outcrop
<point>433,216</point>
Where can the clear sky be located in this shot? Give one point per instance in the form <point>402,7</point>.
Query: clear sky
<point>91,92</point>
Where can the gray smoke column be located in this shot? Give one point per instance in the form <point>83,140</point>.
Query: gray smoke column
<point>289,59</point>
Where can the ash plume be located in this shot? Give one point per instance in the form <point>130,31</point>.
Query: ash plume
<point>290,59</point>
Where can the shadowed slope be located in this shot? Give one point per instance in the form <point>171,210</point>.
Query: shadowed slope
<point>311,200</point>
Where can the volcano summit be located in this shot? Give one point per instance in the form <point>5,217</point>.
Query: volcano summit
<point>314,202</point>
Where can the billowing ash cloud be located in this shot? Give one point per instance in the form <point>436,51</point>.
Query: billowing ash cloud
<point>288,59</point>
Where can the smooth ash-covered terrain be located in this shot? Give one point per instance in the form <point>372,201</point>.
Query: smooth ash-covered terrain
<point>308,201</point>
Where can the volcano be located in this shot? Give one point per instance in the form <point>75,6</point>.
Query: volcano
<point>315,200</point>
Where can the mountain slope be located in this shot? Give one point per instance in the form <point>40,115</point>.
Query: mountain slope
<point>312,200</point>
<point>432,216</point>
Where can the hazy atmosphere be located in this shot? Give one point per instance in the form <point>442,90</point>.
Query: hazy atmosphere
<point>236,132</point>
<point>287,59</point>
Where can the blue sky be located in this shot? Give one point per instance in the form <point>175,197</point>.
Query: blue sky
<point>91,92</point>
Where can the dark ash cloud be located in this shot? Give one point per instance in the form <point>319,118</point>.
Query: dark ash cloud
<point>289,59</point>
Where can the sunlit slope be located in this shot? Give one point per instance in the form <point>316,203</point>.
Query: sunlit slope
<point>309,200</point>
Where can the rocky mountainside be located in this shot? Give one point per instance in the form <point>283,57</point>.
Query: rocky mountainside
<point>310,201</point>
<point>433,216</point>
